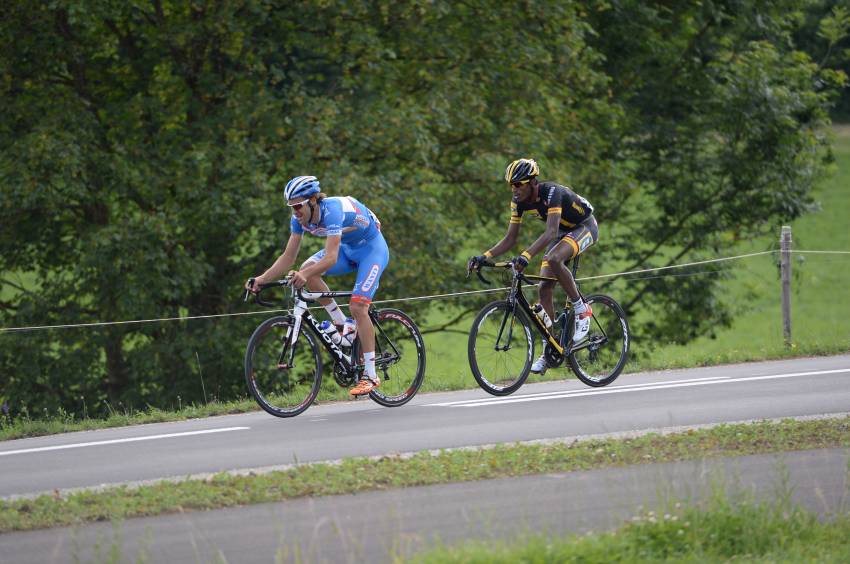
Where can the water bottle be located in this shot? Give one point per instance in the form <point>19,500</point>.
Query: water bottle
<point>348,332</point>
<point>542,315</point>
<point>331,331</point>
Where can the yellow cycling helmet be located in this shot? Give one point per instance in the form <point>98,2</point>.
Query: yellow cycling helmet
<point>521,169</point>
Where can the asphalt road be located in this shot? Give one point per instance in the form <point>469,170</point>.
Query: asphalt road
<point>554,410</point>
<point>377,526</point>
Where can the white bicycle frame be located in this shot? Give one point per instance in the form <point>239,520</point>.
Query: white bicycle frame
<point>299,310</point>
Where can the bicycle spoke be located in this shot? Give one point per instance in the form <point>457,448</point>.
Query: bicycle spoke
<point>599,359</point>
<point>283,378</point>
<point>399,358</point>
<point>500,368</point>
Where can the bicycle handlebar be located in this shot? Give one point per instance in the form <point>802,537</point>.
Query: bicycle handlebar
<point>516,273</point>
<point>276,284</point>
<point>490,264</point>
<point>296,292</point>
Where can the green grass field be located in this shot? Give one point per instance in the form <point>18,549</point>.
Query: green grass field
<point>820,302</point>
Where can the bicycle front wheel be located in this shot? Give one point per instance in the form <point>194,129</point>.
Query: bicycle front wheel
<point>284,379</point>
<point>399,358</point>
<point>599,359</point>
<point>500,348</point>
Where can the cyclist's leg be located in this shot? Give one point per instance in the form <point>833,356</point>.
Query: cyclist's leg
<point>569,245</point>
<point>372,260</point>
<point>545,291</point>
<point>545,288</point>
<point>572,244</point>
<point>557,258</point>
<point>343,265</point>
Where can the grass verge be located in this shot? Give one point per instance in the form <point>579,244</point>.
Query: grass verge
<point>362,474</point>
<point>723,531</point>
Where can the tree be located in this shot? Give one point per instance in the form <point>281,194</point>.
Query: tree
<point>724,138</point>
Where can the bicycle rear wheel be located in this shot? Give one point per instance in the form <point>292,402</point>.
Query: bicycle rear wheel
<point>399,358</point>
<point>599,359</point>
<point>500,348</point>
<point>284,380</point>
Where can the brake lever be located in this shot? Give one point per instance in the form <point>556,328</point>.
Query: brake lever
<point>248,291</point>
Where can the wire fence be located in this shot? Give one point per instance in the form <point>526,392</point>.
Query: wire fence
<point>625,274</point>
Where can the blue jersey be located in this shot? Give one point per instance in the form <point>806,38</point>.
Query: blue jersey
<point>341,216</point>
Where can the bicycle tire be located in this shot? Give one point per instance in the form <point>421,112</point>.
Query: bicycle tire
<point>604,353</point>
<point>281,390</point>
<point>496,371</point>
<point>401,374</point>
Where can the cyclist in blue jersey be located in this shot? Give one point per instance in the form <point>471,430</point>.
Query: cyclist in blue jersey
<point>353,242</point>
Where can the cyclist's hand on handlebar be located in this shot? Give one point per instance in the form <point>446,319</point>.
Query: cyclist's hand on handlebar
<point>474,263</point>
<point>253,284</point>
<point>519,262</point>
<point>296,279</point>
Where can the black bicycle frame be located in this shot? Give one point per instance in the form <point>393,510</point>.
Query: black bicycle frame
<point>517,297</point>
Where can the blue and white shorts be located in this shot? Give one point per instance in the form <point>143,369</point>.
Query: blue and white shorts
<point>368,258</point>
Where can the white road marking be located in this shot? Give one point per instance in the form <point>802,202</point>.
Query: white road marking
<point>628,388</point>
<point>561,393</point>
<point>127,440</point>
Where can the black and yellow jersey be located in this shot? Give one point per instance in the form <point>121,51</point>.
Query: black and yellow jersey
<point>554,198</point>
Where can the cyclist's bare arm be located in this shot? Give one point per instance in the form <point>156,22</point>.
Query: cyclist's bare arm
<point>331,254</point>
<point>283,263</point>
<point>553,223</point>
<point>508,242</point>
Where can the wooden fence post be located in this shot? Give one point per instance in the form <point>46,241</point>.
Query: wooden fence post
<point>785,276</point>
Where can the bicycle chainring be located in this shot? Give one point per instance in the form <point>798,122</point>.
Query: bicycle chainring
<point>343,378</point>
<point>553,358</point>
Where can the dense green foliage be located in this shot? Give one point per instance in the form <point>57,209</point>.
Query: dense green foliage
<point>824,36</point>
<point>143,146</point>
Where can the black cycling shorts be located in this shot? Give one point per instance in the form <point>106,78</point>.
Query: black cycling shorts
<point>579,237</point>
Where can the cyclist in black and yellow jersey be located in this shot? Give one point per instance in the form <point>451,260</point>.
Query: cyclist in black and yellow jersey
<point>570,230</point>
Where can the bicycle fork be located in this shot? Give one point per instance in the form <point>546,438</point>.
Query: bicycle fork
<point>286,360</point>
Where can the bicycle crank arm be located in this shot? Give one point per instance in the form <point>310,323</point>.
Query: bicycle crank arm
<point>588,344</point>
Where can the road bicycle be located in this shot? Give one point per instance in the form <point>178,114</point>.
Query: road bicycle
<point>283,364</point>
<point>502,341</point>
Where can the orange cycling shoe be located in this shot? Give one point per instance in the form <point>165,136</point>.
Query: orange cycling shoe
<point>364,386</point>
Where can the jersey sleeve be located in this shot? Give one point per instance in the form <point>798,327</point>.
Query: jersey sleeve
<point>295,227</point>
<point>516,213</point>
<point>333,217</point>
<point>556,202</point>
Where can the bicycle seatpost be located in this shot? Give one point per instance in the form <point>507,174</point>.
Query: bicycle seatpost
<point>575,265</point>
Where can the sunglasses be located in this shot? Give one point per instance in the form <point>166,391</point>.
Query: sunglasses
<point>520,183</point>
<point>297,206</point>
